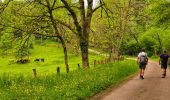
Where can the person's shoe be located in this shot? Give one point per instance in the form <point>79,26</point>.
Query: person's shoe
<point>163,76</point>
<point>141,77</point>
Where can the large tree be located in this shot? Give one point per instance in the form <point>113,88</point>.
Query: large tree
<point>34,17</point>
<point>46,19</point>
<point>82,22</point>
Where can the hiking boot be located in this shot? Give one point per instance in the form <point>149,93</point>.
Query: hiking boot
<point>141,77</point>
<point>163,76</point>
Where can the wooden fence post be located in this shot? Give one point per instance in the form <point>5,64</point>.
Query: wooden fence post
<point>94,63</point>
<point>101,62</point>
<point>34,72</point>
<point>106,60</point>
<point>113,59</point>
<point>78,66</point>
<point>58,70</point>
<point>98,62</point>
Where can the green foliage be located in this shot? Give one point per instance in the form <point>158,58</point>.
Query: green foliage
<point>23,46</point>
<point>121,22</point>
<point>6,42</point>
<point>149,43</point>
<point>160,12</point>
<point>78,84</point>
<point>131,48</point>
<point>156,39</point>
<point>166,39</point>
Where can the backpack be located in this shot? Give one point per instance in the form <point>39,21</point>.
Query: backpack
<point>143,59</point>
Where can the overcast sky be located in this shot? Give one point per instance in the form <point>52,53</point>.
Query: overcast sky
<point>94,3</point>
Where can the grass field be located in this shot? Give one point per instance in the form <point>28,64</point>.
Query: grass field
<point>53,55</point>
<point>18,83</point>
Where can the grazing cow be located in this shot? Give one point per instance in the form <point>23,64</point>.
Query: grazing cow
<point>37,60</point>
<point>22,61</point>
<point>42,60</point>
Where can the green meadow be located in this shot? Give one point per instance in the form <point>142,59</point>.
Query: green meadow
<point>53,56</point>
<point>17,81</point>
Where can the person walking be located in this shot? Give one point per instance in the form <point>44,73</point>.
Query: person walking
<point>142,60</point>
<point>163,61</point>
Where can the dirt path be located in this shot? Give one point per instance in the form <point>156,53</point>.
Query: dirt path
<point>153,87</point>
<point>97,52</point>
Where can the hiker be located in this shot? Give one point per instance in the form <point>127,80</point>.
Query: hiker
<point>163,61</point>
<point>142,60</point>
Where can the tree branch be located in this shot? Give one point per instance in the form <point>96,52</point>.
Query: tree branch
<point>74,16</point>
<point>66,25</point>
<point>4,6</point>
<point>98,7</point>
<point>54,4</point>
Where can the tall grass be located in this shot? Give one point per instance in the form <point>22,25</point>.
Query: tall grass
<point>78,84</point>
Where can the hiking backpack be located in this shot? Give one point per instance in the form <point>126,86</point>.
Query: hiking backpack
<point>143,59</point>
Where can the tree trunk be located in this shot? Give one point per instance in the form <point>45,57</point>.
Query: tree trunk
<point>83,29</point>
<point>65,53</point>
<point>110,52</point>
<point>84,52</point>
<point>160,42</point>
<point>58,35</point>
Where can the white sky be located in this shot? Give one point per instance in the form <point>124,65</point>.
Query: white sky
<point>94,3</point>
<point>2,0</point>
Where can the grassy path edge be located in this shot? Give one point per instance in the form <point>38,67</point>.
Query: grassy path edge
<point>102,93</point>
